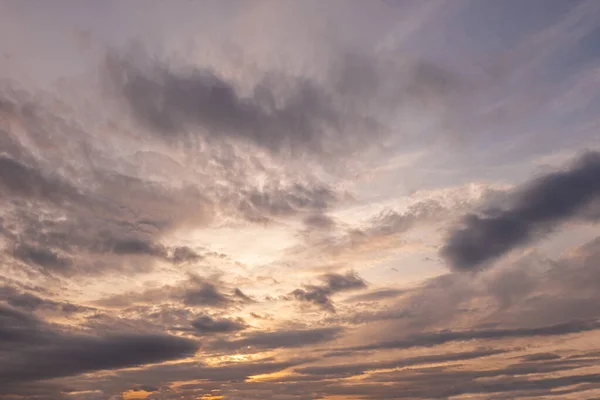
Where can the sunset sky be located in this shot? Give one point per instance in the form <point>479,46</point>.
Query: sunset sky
<point>299,199</point>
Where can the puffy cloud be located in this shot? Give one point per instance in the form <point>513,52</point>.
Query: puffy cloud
<point>207,325</point>
<point>304,118</point>
<point>204,293</point>
<point>332,283</point>
<point>539,206</point>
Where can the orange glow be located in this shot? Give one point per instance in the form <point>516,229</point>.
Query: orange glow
<point>136,394</point>
<point>268,377</point>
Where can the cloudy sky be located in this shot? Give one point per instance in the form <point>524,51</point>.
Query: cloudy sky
<point>299,199</point>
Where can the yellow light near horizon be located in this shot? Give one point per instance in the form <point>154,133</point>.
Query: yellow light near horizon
<point>135,394</point>
<point>268,377</point>
<point>229,358</point>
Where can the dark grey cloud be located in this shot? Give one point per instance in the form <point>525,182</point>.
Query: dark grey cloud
<point>207,325</point>
<point>184,254</point>
<point>541,357</point>
<point>85,354</point>
<point>42,257</point>
<point>538,207</point>
<point>242,296</point>
<point>427,339</point>
<point>318,221</point>
<point>123,246</point>
<point>193,292</point>
<point>24,301</point>
<point>20,180</point>
<point>132,246</point>
<point>341,283</point>
<point>257,341</point>
<point>206,294</point>
<point>30,302</point>
<point>340,112</point>
<point>32,350</point>
<point>19,328</point>
<point>170,101</point>
<point>317,295</point>
<point>332,283</point>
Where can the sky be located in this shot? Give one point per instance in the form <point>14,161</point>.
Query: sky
<point>298,200</point>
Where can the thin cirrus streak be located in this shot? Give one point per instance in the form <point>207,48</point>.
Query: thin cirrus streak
<point>299,200</point>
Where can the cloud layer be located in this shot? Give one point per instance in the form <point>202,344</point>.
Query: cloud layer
<point>299,200</point>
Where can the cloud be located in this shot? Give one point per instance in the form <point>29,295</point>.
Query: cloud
<point>132,246</point>
<point>184,254</point>
<point>522,379</point>
<point>377,295</point>
<point>541,357</point>
<point>341,283</point>
<point>85,354</point>
<point>278,339</point>
<point>45,258</point>
<point>275,201</point>
<point>528,292</point>
<point>540,290</point>
<point>291,114</point>
<point>17,179</point>
<point>207,325</point>
<point>345,106</point>
<point>386,230</point>
<point>117,214</point>
<point>19,328</point>
<point>538,207</point>
<point>311,119</point>
<point>105,221</point>
<point>332,283</point>
<point>242,296</point>
<point>204,293</point>
<point>193,292</point>
<point>360,368</point>
<point>31,348</point>
<point>30,302</point>
<point>427,339</point>
<point>318,221</point>
<point>214,376</point>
